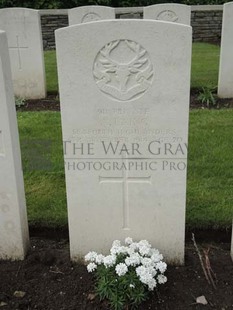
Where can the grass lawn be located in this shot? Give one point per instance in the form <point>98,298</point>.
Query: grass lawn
<point>51,71</point>
<point>41,145</point>
<point>205,61</point>
<point>210,168</point>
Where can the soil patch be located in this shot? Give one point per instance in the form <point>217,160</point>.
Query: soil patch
<point>52,103</point>
<point>51,282</point>
<point>203,235</point>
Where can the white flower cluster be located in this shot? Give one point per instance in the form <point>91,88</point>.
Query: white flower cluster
<point>146,261</point>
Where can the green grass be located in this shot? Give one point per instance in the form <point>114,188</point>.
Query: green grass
<point>210,168</point>
<point>205,61</point>
<point>51,71</point>
<point>41,145</point>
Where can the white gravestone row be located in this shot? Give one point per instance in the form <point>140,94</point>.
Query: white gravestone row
<point>13,218</point>
<point>85,14</point>
<point>225,79</point>
<point>130,144</point>
<point>178,13</point>
<point>124,87</point>
<point>169,12</point>
<point>23,30</point>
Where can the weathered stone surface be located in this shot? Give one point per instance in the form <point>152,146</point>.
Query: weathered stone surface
<point>124,90</point>
<point>170,12</point>
<point>225,79</point>
<point>26,51</point>
<point>13,218</point>
<point>90,13</point>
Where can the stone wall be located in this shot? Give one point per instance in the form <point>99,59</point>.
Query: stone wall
<point>206,21</point>
<point>50,21</point>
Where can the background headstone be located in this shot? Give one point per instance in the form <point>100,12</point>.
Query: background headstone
<point>124,89</point>
<point>90,13</point>
<point>170,12</point>
<point>13,218</point>
<point>23,30</point>
<point>225,79</point>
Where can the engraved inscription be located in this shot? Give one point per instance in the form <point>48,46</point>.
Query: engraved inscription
<point>168,16</point>
<point>123,70</point>
<point>90,17</point>
<point>18,50</point>
<point>125,180</point>
<point>1,144</point>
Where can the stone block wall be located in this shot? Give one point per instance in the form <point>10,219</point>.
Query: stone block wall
<point>50,21</point>
<point>206,21</point>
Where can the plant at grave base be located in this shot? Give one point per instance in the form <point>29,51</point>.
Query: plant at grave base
<point>19,102</point>
<point>126,276</point>
<point>208,96</point>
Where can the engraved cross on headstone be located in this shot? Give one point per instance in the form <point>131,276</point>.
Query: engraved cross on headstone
<point>18,49</point>
<point>125,180</point>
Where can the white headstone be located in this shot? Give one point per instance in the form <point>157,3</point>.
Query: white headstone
<point>90,13</point>
<point>13,217</point>
<point>169,12</point>
<point>225,78</point>
<point>124,89</point>
<point>23,30</point>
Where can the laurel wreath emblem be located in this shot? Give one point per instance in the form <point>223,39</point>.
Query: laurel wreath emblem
<point>123,70</point>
